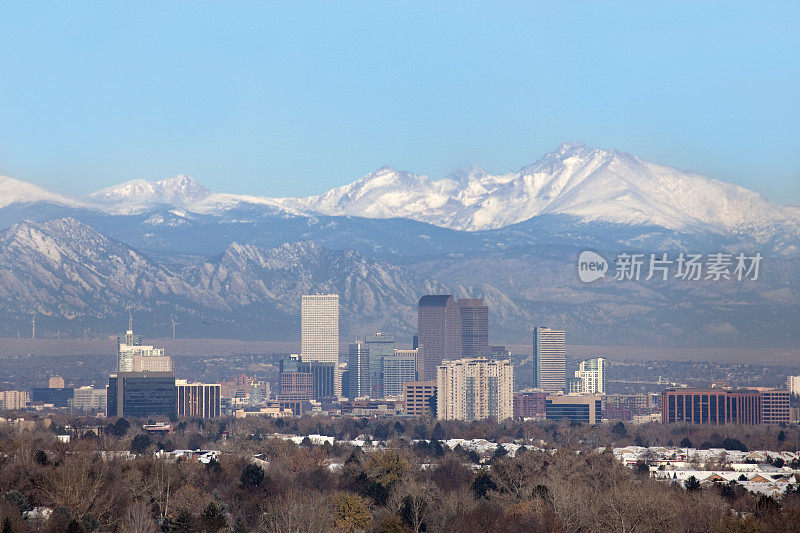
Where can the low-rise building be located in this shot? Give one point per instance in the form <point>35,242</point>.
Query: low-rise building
<point>89,399</point>
<point>711,406</point>
<point>198,400</point>
<point>575,408</point>
<point>530,404</point>
<point>419,398</point>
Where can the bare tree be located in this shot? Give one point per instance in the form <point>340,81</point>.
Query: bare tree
<point>139,520</point>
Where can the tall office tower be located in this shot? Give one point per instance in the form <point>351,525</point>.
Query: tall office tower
<point>549,359</point>
<point>320,332</point>
<point>380,346</point>
<point>438,332</point>
<point>474,389</point>
<point>474,327</point>
<point>55,382</point>
<point>358,368</point>
<point>592,376</point>
<point>130,347</point>
<point>398,368</point>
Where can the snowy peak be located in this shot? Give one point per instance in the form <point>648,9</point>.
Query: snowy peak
<point>589,183</point>
<point>138,195</point>
<point>16,191</point>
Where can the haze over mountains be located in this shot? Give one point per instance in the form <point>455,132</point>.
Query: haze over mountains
<point>235,265</point>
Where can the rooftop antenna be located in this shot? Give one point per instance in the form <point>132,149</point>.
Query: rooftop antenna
<point>172,319</point>
<point>33,325</point>
<point>130,321</point>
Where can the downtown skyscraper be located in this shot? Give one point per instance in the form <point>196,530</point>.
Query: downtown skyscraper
<point>450,329</point>
<point>474,325</point>
<point>358,369</point>
<point>320,332</point>
<point>439,332</point>
<point>549,359</point>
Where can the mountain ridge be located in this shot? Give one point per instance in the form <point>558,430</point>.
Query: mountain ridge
<point>588,183</point>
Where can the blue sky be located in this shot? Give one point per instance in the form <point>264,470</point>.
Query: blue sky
<point>293,99</point>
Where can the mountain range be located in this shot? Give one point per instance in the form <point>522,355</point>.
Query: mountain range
<point>234,266</point>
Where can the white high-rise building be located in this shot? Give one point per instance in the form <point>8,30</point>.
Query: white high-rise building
<point>320,332</point>
<point>474,389</point>
<point>591,376</point>
<point>793,385</point>
<point>130,348</point>
<point>14,399</point>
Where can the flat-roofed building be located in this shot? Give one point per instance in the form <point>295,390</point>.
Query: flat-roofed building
<point>587,408</point>
<point>198,400</point>
<point>319,325</point>
<point>474,327</point>
<point>775,406</point>
<point>14,399</point>
<point>358,369</point>
<point>141,394</point>
<point>297,386</point>
<point>52,396</point>
<point>475,389</point>
<point>152,363</point>
<point>380,346</point>
<point>627,406</point>
<point>793,385</point>
<point>711,406</point>
<point>129,347</point>
<point>530,404</point>
<point>419,398</point>
<point>438,332</point>
<point>549,359</point>
<point>398,368</point>
<point>89,399</point>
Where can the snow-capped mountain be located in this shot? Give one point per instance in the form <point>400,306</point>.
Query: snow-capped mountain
<point>16,191</point>
<point>589,183</point>
<point>138,195</point>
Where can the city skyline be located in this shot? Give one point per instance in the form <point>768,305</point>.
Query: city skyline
<point>424,267</point>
